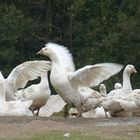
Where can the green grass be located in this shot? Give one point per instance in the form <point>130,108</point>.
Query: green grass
<point>131,133</point>
<point>73,136</point>
<point>58,136</point>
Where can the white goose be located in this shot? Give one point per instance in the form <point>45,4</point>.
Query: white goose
<point>126,86</point>
<point>73,86</point>
<point>102,89</point>
<point>111,103</point>
<point>131,103</point>
<point>12,108</point>
<point>117,86</point>
<point>40,94</point>
<point>99,112</point>
<point>21,74</point>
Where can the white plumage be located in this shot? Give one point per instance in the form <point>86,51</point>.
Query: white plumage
<point>15,108</point>
<point>39,93</point>
<point>73,86</point>
<point>2,88</point>
<point>41,96</point>
<point>21,74</point>
<point>113,102</point>
<point>126,86</point>
<point>117,86</point>
<point>99,112</point>
<point>54,104</point>
<point>64,54</point>
<point>102,89</point>
<point>131,103</point>
<point>12,108</point>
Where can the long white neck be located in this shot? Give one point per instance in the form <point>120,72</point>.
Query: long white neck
<point>2,91</point>
<point>44,79</point>
<point>54,58</point>
<point>126,81</point>
<point>103,92</point>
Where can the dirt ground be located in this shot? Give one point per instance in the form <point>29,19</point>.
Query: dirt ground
<point>16,127</point>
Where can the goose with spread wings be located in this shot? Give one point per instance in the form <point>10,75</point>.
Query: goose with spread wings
<point>74,86</point>
<point>23,73</point>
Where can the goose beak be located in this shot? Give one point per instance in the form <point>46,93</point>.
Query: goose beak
<point>134,70</point>
<point>40,52</point>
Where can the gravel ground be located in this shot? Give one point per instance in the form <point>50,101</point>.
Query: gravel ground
<point>15,127</point>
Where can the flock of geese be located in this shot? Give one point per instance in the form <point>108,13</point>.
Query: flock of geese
<point>74,87</point>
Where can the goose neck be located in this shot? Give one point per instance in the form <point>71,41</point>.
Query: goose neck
<point>54,58</point>
<point>44,78</point>
<point>2,91</point>
<point>103,93</point>
<point>2,96</point>
<point>126,81</point>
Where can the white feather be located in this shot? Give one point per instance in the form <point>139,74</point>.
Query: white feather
<point>39,93</point>
<point>42,99</point>
<point>102,89</point>
<point>15,108</point>
<point>126,86</point>
<point>2,88</point>
<point>12,108</point>
<point>63,55</point>
<point>21,74</point>
<point>99,112</point>
<point>117,86</point>
<point>54,104</point>
<point>117,99</point>
<point>93,75</point>
<point>73,86</point>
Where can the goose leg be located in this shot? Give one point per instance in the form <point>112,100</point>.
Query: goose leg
<point>32,109</point>
<point>66,111</point>
<point>106,114</point>
<point>37,114</point>
<point>79,112</point>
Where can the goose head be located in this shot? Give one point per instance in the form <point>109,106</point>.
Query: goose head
<point>58,54</point>
<point>130,69</point>
<point>102,89</point>
<point>117,86</point>
<point>47,51</point>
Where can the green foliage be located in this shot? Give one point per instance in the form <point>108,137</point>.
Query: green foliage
<point>95,31</point>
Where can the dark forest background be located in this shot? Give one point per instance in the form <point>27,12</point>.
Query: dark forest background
<point>95,31</point>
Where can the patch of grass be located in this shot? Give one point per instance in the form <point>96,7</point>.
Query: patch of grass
<point>58,114</point>
<point>73,136</point>
<point>60,136</point>
<point>98,133</point>
<point>79,136</point>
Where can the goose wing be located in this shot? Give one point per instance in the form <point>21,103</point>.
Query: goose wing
<point>93,75</point>
<point>53,105</point>
<point>26,71</point>
<point>1,76</point>
<point>112,106</point>
<point>2,85</point>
